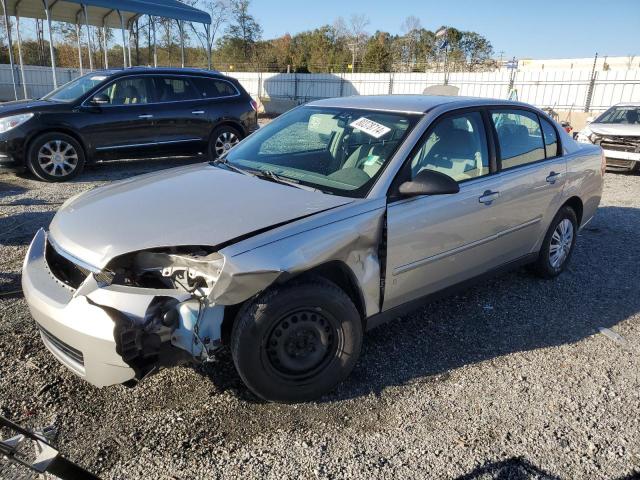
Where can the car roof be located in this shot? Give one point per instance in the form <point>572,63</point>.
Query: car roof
<point>114,72</point>
<point>408,103</point>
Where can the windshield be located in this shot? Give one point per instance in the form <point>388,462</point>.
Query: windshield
<point>336,150</point>
<point>629,115</point>
<point>75,88</point>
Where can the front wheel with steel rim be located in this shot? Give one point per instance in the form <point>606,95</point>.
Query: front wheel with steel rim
<point>55,157</point>
<point>558,244</point>
<point>295,342</point>
<point>222,140</point>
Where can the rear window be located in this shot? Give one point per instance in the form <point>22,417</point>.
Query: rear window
<point>550,139</point>
<point>213,88</point>
<point>175,89</point>
<point>519,136</point>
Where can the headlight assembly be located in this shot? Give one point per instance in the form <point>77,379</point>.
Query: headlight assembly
<point>9,123</point>
<point>185,272</point>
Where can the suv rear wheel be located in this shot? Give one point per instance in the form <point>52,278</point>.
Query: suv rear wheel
<point>223,139</point>
<point>55,157</point>
<point>296,342</point>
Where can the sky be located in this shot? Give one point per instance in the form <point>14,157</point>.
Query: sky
<point>520,28</point>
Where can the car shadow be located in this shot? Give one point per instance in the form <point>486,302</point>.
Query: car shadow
<point>517,468</point>
<point>511,313</point>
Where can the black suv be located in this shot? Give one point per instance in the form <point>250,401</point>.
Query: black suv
<point>121,114</point>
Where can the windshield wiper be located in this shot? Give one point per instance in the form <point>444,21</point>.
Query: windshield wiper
<point>270,175</point>
<point>230,166</point>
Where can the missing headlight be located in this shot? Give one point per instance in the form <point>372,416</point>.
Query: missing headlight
<point>194,272</point>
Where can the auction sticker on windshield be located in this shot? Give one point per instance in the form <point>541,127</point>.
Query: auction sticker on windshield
<point>370,127</point>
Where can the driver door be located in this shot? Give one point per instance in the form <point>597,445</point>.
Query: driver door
<point>124,127</point>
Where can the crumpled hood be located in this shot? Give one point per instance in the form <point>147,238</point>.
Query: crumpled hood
<point>621,129</point>
<point>194,205</point>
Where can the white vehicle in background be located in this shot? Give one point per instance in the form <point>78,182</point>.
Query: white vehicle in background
<point>617,131</point>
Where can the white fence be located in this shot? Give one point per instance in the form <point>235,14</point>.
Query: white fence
<point>561,90</point>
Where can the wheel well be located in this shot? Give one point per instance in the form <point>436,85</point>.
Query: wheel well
<point>233,124</point>
<point>71,133</point>
<point>334,271</point>
<point>576,204</point>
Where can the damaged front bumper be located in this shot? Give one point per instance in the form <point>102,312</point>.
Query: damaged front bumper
<point>114,334</point>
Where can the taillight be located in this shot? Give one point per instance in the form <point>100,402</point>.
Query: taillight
<point>254,105</point>
<point>603,162</point>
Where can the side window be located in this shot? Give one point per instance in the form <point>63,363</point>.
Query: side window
<point>550,138</point>
<point>211,88</point>
<point>519,137</point>
<point>457,147</point>
<point>127,91</point>
<point>175,89</point>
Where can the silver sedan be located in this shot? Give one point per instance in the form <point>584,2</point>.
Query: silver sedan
<point>334,218</point>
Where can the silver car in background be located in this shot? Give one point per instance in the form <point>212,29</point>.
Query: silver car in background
<point>617,131</point>
<point>335,217</point>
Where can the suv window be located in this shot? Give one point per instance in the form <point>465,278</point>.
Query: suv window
<point>127,91</point>
<point>550,138</point>
<point>212,88</point>
<point>457,147</point>
<point>519,137</point>
<point>175,89</point>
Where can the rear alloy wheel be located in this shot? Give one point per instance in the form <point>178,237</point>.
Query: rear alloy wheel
<point>222,140</point>
<point>296,342</point>
<point>558,244</point>
<point>55,157</point>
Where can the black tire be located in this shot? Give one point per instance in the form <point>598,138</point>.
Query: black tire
<point>222,139</point>
<point>557,247</point>
<point>296,342</point>
<point>66,157</point>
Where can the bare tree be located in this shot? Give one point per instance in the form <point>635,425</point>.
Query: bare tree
<point>219,12</point>
<point>354,32</point>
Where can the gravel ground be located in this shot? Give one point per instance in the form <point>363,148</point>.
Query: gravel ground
<point>511,379</point>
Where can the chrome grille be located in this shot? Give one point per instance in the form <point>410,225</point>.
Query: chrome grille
<point>64,269</point>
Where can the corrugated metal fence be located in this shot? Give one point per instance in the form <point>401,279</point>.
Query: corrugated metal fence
<point>561,90</point>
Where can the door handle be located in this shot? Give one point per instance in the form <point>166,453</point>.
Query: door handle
<point>553,176</point>
<point>488,197</point>
<point>148,115</point>
<point>198,112</point>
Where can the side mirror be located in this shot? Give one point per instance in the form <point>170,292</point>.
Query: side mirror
<point>100,99</point>
<point>589,120</point>
<point>429,182</point>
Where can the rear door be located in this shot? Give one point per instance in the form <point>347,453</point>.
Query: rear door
<point>531,179</point>
<point>123,127</point>
<point>181,125</point>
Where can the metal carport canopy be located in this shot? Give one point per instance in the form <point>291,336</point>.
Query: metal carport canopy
<point>104,12</point>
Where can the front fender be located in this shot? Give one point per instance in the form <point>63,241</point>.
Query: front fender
<point>353,241</point>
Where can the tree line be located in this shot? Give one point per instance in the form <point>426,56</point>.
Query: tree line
<point>236,41</point>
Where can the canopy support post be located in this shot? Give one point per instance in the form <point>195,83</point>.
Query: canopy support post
<point>89,42</point>
<point>13,71</point>
<point>155,49</point>
<point>51,52</point>
<point>106,48</point>
<point>124,40</point>
<point>207,29</point>
<point>79,49</point>
<point>24,83</point>
<point>129,43</point>
<point>181,30</point>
